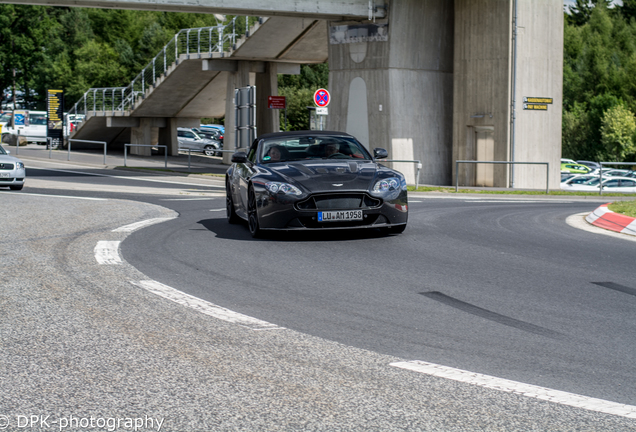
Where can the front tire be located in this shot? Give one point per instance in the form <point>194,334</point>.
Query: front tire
<point>252,214</point>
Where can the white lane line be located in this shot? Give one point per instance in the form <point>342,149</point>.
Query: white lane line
<point>107,252</point>
<point>204,307</point>
<point>542,393</point>
<point>218,209</point>
<point>187,199</point>
<point>55,196</point>
<point>134,178</point>
<point>141,224</point>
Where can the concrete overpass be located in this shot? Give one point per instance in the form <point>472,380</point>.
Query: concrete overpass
<point>432,80</point>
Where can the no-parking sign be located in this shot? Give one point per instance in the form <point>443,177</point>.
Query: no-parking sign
<point>322,98</point>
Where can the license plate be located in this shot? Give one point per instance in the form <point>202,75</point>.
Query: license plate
<point>4,175</point>
<point>338,216</point>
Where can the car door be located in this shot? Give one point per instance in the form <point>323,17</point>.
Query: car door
<point>245,172</point>
<point>186,140</point>
<point>628,185</point>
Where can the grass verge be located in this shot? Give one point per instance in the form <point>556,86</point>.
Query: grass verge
<point>628,208</point>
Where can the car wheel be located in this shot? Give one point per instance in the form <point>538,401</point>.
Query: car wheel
<point>252,214</point>
<point>16,187</point>
<point>232,217</point>
<point>208,150</point>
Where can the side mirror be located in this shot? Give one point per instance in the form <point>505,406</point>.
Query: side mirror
<point>380,153</point>
<point>239,157</point>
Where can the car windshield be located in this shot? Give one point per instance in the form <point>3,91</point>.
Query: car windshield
<point>592,182</point>
<point>2,151</point>
<point>292,148</point>
<point>5,117</point>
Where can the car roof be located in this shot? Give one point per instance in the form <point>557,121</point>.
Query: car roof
<point>303,133</point>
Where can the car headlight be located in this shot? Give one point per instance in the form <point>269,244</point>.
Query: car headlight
<point>389,185</point>
<point>19,165</point>
<point>282,188</point>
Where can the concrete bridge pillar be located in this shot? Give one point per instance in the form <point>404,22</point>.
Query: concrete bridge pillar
<point>391,85</point>
<point>267,120</point>
<point>146,133</point>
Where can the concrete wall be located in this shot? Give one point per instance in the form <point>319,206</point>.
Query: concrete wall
<point>404,85</point>
<point>539,74</point>
<point>482,97</point>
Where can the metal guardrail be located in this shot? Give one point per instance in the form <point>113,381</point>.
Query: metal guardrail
<point>145,145</point>
<point>418,166</point>
<point>104,143</point>
<point>547,178</point>
<point>191,42</point>
<point>600,173</point>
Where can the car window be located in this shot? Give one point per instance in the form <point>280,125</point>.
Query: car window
<point>2,151</point>
<point>37,119</point>
<point>611,183</point>
<point>301,147</point>
<point>628,183</point>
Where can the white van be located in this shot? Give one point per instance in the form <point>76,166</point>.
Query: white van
<point>30,124</point>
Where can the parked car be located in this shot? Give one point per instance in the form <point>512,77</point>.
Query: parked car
<point>612,184</point>
<point>12,171</point>
<point>577,179</point>
<point>314,180</point>
<point>190,140</point>
<point>593,165</point>
<point>566,160</point>
<point>213,126</point>
<point>575,168</point>
<point>213,134</point>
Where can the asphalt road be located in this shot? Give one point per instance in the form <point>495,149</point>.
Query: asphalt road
<point>500,287</point>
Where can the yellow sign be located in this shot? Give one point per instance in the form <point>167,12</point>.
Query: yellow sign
<point>537,100</point>
<point>537,107</point>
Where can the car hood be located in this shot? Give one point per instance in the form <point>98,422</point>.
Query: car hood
<point>9,159</point>
<point>324,176</point>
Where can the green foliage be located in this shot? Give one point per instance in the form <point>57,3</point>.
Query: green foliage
<point>299,91</point>
<point>617,133</point>
<point>598,75</point>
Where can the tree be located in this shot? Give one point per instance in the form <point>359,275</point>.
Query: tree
<point>617,133</point>
<point>299,91</point>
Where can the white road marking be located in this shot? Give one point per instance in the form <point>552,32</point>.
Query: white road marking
<point>578,221</point>
<point>187,199</point>
<point>137,225</point>
<point>107,252</point>
<point>542,393</point>
<point>134,178</point>
<point>218,209</point>
<point>55,196</point>
<point>204,307</point>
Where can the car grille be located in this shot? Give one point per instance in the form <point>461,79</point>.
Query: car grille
<point>6,166</point>
<point>338,202</point>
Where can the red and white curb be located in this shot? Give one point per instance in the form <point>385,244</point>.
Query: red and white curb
<point>604,218</point>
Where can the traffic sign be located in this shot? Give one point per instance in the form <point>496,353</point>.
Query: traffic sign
<point>322,98</point>
<point>276,102</point>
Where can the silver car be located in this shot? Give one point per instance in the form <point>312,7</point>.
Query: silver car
<point>190,140</point>
<point>12,171</point>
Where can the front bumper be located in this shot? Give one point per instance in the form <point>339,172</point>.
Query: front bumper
<point>13,177</point>
<point>282,212</point>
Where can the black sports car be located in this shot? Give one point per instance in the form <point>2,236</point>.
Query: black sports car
<point>309,180</point>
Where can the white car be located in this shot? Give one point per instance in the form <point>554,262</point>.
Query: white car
<point>576,180</point>
<point>12,171</point>
<point>612,184</point>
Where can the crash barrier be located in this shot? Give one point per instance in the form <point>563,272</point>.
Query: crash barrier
<point>85,141</point>
<point>146,145</point>
<point>190,154</point>
<point>417,163</point>
<point>600,173</point>
<point>547,175</point>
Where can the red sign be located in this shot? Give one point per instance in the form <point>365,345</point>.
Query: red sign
<point>322,98</point>
<point>276,102</point>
